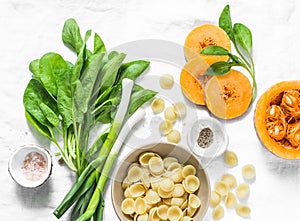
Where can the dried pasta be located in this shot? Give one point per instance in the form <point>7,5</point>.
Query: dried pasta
<point>215,199</point>
<point>242,191</point>
<point>140,206</point>
<point>229,179</point>
<point>156,166</point>
<point>166,81</point>
<point>158,105</point>
<point>180,109</point>
<point>222,188</point>
<point>174,136</point>
<point>231,158</point>
<point>160,189</point>
<point>218,212</point>
<point>174,213</point>
<point>170,114</point>
<point>191,184</point>
<point>194,201</point>
<point>230,200</point>
<point>127,206</point>
<point>165,127</point>
<point>243,210</point>
<point>248,172</point>
<point>188,170</point>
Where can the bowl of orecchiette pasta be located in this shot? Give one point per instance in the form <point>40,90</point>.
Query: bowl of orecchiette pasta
<point>160,182</point>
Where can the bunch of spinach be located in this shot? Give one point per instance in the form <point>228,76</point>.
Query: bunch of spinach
<point>241,37</point>
<point>65,100</point>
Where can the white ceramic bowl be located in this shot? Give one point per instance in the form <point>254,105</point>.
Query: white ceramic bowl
<point>220,137</point>
<point>16,162</point>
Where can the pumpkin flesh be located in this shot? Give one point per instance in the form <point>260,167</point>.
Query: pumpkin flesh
<point>277,119</point>
<point>206,35</point>
<point>228,96</point>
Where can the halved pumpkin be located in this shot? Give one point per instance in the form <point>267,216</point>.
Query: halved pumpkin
<point>202,36</point>
<point>193,79</point>
<point>277,119</point>
<point>228,96</point>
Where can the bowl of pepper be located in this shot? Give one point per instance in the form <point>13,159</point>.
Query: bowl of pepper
<point>207,137</point>
<point>30,166</point>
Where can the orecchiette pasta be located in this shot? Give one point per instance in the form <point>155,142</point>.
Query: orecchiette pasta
<point>166,81</point>
<point>158,105</point>
<point>218,212</point>
<point>230,200</point>
<point>174,136</point>
<point>165,127</point>
<point>215,199</point>
<point>231,158</point>
<point>242,191</point>
<point>170,114</point>
<point>180,109</point>
<point>243,210</point>
<point>222,188</point>
<point>229,179</point>
<point>160,189</point>
<point>248,172</point>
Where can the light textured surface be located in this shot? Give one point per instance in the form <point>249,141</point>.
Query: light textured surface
<point>31,28</point>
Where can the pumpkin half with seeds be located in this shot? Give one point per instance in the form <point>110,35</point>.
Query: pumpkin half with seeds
<point>277,119</point>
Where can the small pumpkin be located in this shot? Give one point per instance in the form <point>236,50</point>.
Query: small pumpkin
<point>202,36</point>
<point>277,119</point>
<point>193,79</point>
<point>228,96</point>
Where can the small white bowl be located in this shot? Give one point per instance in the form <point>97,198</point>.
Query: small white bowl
<point>16,162</point>
<point>220,138</point>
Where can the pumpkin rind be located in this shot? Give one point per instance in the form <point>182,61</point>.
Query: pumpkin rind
<point>260,116</point>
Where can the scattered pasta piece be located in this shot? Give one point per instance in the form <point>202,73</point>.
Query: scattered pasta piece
<point>127,206</point>
<point>140,206</point>
<point>242,191</point>
<point>222,188</point>
<point>180,109</point>
<point>215,199</point>
<point>230,200</point>
<point>165,127</point>
<point>248,172</point>
<point>170,114</point>
<point>174,213</point>
<point>162,212</point>
<point>231,158</point>
<point>243,210</point>
<point>174,136</point>
<point>156,166</point>
<point>229,179</point>
<point>158,105</point>
<point>166,81</point>
<point>191,184</point>
<point>218,212</point>
<point>194,201</point>
<point>188,170</point>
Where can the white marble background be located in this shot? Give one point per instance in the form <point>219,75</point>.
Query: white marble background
<point>31,28</point>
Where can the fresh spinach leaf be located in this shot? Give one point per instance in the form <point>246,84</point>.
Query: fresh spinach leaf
<point>42,129</point>
<point>51,65</point>
<point>214,50</point>
<point>99,46</point>
<point>225,22</point>
<point>50,115</point>
<point>34,68</point>
<point>71,35</point>
<point>243,36</point>
<point>35,94</point>
<point>133,69</point>
<point>219,68</point>
<point>110,71</point>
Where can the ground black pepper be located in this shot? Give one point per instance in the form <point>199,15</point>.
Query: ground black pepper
<point>205,138</point>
